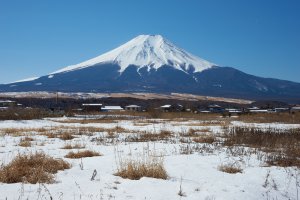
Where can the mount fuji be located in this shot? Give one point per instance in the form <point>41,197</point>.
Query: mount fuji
<point>151,63</point>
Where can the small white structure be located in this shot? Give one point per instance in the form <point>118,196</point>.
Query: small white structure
<point>233,110</point>
<point>259,111</point>
<point>112,108</point>
<point>91,104</point>
<point>165,108</point>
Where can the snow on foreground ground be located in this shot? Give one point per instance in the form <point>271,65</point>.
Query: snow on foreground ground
<point>192,167</point>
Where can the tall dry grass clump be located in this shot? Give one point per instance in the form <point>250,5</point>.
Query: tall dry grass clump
<point>205,139</point>
<point>147,167</point>
<point>32,168</point>
<point>74,146</point>
<point>66,136</point>
<point>82,154</point>
<point>230,168</point>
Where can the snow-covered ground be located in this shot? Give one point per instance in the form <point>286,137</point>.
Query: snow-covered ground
<point>196,173</point>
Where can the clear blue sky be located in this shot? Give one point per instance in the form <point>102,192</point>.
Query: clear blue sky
<point>260,37</point>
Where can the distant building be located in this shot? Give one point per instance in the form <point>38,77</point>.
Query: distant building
<point>295,109</point>
<point>168,107</point>
<point>89,107</point>
<point>133,108</point>
<point>259,110</point>
<point>112,108</point>
<point>215,108</point>
<point>7,104</point>
<point>165,108</point>
<point>233,110</point>
<point>281,110</point>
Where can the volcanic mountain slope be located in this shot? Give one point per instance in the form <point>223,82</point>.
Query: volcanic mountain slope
<point>150,63</point>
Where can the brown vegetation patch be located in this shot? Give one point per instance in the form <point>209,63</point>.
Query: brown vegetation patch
<point>82,154</point>
<point>145,137</point>
<point>204,123</point>
<point>26,114</point>
<point>66,136</point>
<point>290,118</point>
<point>17,132</point>
<point>230,168</point>
<point>50,135</point>
<point>205,139</point>
<point>87,121</point>
<point>26,142</point>
<point>32,168</point>
<point>135,170</point>
<point>283,145</point>
<point>73,146</point>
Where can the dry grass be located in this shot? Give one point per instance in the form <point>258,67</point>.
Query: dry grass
<point>82,154</point>
<point>282,145</point>
<point>18,131</point>
<point>194,132</point>
<point>135,170</point>
<point>26,142</point>
<point>32,168</point>
<point>204,123</point>
<point>181,116</point>
<point>146,137</point>
<point>29,139</point>
<point>66,136</point>
<point>230,168</point>
<point>50,135</point>
<point>87,121</point>
<point>205,139</point>
<point>73,146</point>
<point>25,114</point>
<point>271,118</point>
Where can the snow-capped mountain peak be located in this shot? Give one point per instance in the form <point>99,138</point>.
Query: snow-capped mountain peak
<point>152,51</point>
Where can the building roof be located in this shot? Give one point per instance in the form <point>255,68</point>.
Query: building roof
<point>253,108</point>
<point>133,106</point>
<point>233,110</point>
<point>214,106</point>
<point>112,108</point>
<point>259,110</point>
<point>6,101</point>
<point>166,106</point>
<point>91,104</point>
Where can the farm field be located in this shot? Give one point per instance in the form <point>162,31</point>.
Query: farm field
<point>136,157</point>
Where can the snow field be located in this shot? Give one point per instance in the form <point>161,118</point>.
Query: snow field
<point>195,170</point>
